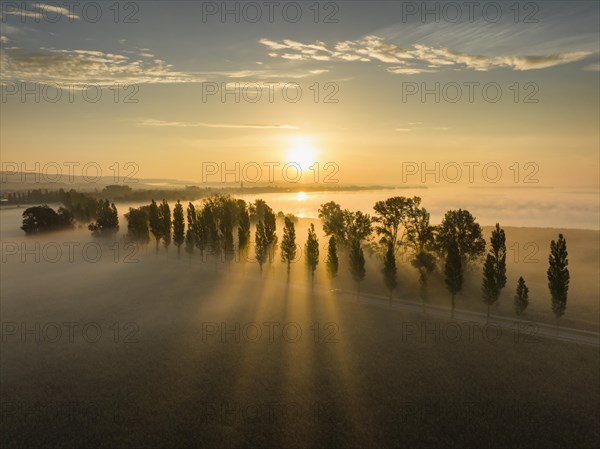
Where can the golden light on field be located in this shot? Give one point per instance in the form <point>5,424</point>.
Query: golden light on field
<point>302,151</point>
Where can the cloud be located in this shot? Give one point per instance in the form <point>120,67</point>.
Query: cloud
<point>41,11</point>
<point>419,126</point>
<point>267,74</point>
<point>407,70</point>
<point>81,67</point>
<point>415,60</point>
<point>75,67</point>
<point>171,124</point>
<point>443,56</point>
<point>592,67</point>
<point>57,10</point>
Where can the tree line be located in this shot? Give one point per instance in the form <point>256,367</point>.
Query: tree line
<point>221,225</point>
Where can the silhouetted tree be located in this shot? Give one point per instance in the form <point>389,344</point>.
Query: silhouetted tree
<point>490,287</point>
<point>201,230</point>
<point>498,251</point>
<point>155,222</point>
<point>192,223</point>
<point>558,276</point>
<point>209,220</point>
<point>257,210</point>
<point>107,220</point>
<point>227,209</point>
<point>357,226</point>
<point>165,223</point>
<point>391,217</point>
<point>82,206</point>
<point>389,270</point>
<point>190,243</point>
<point>270,230</point>
<point>311,249</point>
<point>178,227</point>
<point>494,269</point>
<point>332,218</point>
<point>453,272</point>
<point>460,226</point>
<point>357,264</point>
<point>44,218</point>
<point>332,258</point>
<point>521,297</point>
<point>262,245</point>
<point>288,243</point>
<point>244,227</point>
<point>137,225</point>
<point>420,239</point>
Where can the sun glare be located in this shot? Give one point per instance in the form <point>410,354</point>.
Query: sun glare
<point>301,196</point>
<point>302,152</point>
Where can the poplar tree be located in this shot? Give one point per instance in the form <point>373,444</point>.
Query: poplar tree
<point>288,243</point>
<point>312,252</point>
<point>558,276</point>
<point>178,227</point>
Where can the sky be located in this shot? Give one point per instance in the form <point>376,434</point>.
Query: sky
<point>393,93</point>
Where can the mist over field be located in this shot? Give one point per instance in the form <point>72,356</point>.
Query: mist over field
<point>133,341</point>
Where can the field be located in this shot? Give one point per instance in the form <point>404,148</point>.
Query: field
<point>173,352</point>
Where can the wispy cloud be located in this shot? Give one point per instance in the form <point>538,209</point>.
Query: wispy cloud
<point>57,10</point>
<point>595,67</point>
<point>39,11</point>
<point>140,66</point>
<point>81,67</point>
<point>419,126</point>
<point>172,124</point>
<point>418,59</point>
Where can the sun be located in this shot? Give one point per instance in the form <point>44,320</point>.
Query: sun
<point>301,151</point>
<point>301,196</point>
